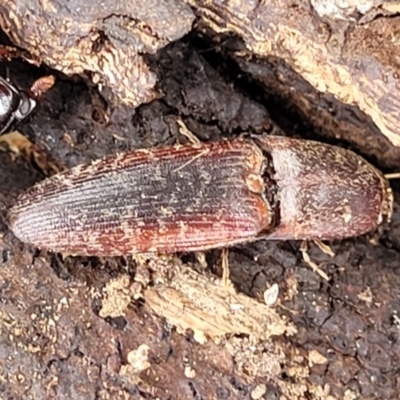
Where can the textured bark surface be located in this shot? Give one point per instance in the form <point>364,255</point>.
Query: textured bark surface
<point>105,42</point>
<point>95,328</point>
<point>342,48</point>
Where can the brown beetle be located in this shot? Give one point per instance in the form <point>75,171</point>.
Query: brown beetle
<point>199,197</point>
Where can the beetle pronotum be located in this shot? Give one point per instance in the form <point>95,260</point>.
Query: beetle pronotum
<point>199,197</point>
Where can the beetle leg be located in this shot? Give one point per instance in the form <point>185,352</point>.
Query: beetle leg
<point>324,247</point>
<point>311,264</point>
<point>225,267</point>
<point>184,131</point>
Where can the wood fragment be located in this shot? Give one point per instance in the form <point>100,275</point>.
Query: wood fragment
<point>356,63</point>
<point>107,42</point>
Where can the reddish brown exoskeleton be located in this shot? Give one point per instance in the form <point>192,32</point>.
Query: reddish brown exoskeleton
<point>199,197</point>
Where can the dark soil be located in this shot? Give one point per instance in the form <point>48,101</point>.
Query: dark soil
<point>52,339</point>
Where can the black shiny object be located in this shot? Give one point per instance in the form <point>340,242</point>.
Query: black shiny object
<point>15,105</point>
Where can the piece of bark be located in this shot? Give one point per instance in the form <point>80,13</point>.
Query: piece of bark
<point>357,63</point>
<point>355,10</point>
<point>210,309</point>
<point>321,114</point>
<point>104,41</point>
<point>18,145</point>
